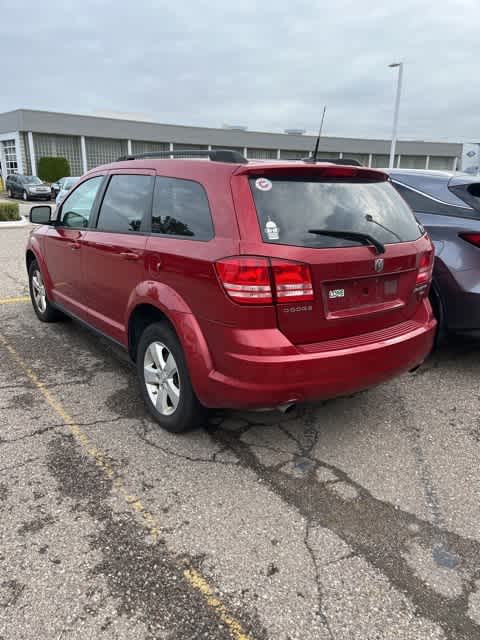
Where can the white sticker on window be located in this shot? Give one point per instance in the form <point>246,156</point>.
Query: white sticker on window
<point>263,184</point>
<point>271,230</point>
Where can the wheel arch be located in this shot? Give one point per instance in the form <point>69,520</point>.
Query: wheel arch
<point>188,331</point>
<point>438,306</point>
<point>29,258</point>
<point>141,316</point>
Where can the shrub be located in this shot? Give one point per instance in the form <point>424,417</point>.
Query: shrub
<point>9,211</point>
<point>52,169</point>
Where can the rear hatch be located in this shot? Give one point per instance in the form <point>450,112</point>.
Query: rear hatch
<point>364,278</point>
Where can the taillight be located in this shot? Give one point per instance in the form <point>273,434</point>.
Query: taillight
<point>249,279</point>
<point>473,238</point>
<point>246,279</point>
<point>293,281</point>
<point>424,274</point>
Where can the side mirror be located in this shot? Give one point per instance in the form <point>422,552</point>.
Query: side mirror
<point>74,220</point>
<point>41,214</point>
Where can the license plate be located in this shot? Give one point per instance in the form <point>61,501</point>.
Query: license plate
<point>336,293</point>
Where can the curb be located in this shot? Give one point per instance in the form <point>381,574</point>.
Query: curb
<point>12,224</point>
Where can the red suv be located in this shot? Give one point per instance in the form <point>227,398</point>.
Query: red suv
<point>239,284</point>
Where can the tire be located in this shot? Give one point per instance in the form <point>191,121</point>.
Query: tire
<point>24,195</point>
<point>439,313</point>
<point>170,399</point>
<point>42,307</point>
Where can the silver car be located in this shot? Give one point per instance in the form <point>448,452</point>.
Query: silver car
<point>66,186</point>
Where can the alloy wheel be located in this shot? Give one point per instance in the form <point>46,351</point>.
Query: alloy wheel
<point>38,289</point>
<point>162,378</point>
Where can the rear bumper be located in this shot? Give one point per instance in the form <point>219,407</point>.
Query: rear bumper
<point>316,371</point>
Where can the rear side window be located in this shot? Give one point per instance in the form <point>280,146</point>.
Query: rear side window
<point>424,204</point>
<point>435,185</point>
<point>180,208</point>
<point>469,193</point>
<point>127,204</point>
<point>287,209</point>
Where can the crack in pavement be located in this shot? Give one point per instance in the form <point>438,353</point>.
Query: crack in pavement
<point>144,580</point>
<point>144,438</point>
<point>318,584</point>
<point>441,553</point>
<point>378,532</point>
<point>53,427</point>
<point>33,434</point>
<point>22,464</point>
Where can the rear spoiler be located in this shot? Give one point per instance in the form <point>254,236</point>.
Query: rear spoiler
<point>291,170</point>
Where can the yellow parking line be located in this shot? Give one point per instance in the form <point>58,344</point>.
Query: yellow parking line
<point>151,524</point>
<point>14,300</point>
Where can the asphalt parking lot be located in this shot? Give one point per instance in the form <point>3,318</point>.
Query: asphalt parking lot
<point>358,518</point>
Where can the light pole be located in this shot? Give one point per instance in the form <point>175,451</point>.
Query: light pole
<point>397,108</point>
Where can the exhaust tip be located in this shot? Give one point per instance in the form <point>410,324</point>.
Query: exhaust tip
<point>287,407</point>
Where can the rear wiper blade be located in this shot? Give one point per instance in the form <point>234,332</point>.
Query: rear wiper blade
<point>364,238</point>
<point>370,218</point>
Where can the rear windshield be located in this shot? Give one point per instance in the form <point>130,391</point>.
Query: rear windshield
<point>287,209</point>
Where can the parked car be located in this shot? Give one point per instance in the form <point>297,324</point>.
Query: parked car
<point>448,205</point>
<point>56,186</point>
<point>27,187</point>
<point>239,284</point>
<point>67,184</point>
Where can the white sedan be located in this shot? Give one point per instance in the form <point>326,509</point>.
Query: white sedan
<point>68,183</point>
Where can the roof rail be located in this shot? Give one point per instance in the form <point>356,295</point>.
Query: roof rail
<point>216,155</point>
<point>344,161</point>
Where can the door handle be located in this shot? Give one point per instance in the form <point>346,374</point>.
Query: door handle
<point>74,246</point>
<point>129,255</point>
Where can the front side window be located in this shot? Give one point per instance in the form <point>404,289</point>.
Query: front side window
<point>127,203</point>
<point>180,208</point>
<point>288,209</point>
<point>76,209</point>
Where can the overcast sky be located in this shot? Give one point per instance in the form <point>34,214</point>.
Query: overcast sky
<point>267,64</point>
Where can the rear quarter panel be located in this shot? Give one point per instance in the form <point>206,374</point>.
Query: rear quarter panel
<point>457,268</point>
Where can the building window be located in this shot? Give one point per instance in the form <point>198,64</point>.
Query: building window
<point>380,161</point>
<point>229,147</point>
<point>326,155</point>
<point>413,162</point>
<point>104,150</point>
<point>10,154</point>
<point>293,155</point>
<point>187,147</point>
<point>440,163</point>
<point>360,157</point>
<point>139,146</point>
<point>57,146</point>
<point>261,154</point>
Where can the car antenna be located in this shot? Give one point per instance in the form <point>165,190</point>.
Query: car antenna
<point>313,159</point>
